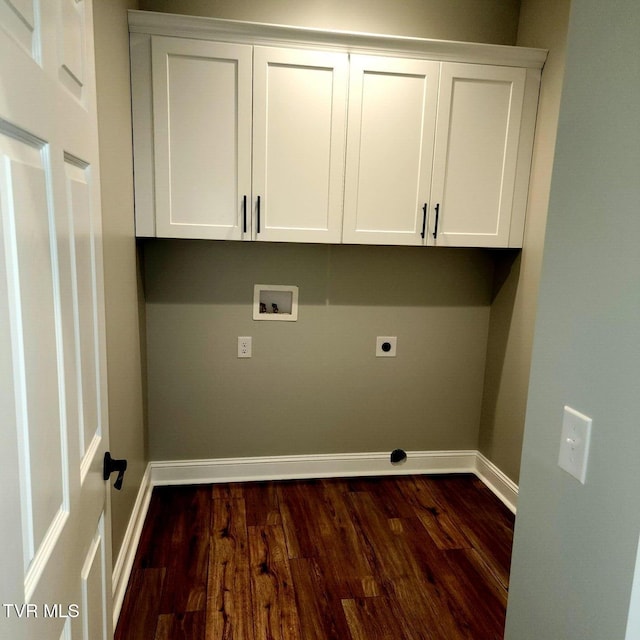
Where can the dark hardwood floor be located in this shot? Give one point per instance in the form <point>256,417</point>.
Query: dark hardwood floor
<point>394,558</point>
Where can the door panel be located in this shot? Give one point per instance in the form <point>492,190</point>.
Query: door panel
<point>52,371</point>
<point>29,242</point>
<point>71,35</point>
<point>94,598</point>
<point>84,295</point>
<point>18,18</point>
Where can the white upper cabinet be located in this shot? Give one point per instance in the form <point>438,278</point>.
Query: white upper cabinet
<point>391,125</point>
<point>480,112</point>
<point>264,132</point>
<point>202,138</point>
<point>452,181</point>
<point>299,130</point>
<point>217,106</point>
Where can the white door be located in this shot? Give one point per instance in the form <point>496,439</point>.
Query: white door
<point>202,138</point>
<point>474,168</point>
<point>299,128</point>
<point>390,133</point>
<point>55,580</point>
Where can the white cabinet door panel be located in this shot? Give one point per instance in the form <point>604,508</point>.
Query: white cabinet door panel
<point>476,153</point>
<point>202,135</point>
<point>299,132</point>
<point>392,114</point>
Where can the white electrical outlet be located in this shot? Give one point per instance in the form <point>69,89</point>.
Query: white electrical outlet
<point>386,346</point>
<point>574,443</point>
<point>244,346</point>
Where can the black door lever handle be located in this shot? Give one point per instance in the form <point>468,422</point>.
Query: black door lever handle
<point>111,465</point>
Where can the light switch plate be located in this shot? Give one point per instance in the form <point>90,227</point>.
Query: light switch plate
<point>574,443</point>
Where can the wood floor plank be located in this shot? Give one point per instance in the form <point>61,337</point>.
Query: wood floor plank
<point>398,558</point>
<point>486,522</point>
<point>229,586</point>
<point>185,586</point>
<point>227,490</point>
<point>303,515</point>
<point>228,530</point>
<point>343,547</point>
<point>139,615</point>
<point>181,626</point>
<point>442,583</point>
<point>275,614</point>
<point>433,513</point>
<point>479,572</point>
<point>415,591</point>
<point>154,548</point>
<point>317,525</point>
<point>262,503</point>
<point>387,493</point>
<point>319,609</point>
<point>477,595</point>
<point>229,614</point>
<point>386,557</point>
<point>370,618</point>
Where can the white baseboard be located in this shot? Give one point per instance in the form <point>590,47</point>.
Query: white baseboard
<point>126,556</point>
<point>308,466</point>
<point>334,466</point>
<point>340,465</point>
<point>502,486</point>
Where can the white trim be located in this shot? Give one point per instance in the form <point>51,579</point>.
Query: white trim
<point>126,556</point>
<point>501,485</point>
<point>308,466</point>
<point>184,26</point>
<point>174,472</point>
<point>211,471</point>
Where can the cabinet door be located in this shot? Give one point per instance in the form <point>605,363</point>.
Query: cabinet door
<point>202,138</point>
<point>476,153</point>
<point>299,120</point>
<point>391,124</point>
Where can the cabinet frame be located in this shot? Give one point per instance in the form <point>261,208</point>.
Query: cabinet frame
<point>143,25</point>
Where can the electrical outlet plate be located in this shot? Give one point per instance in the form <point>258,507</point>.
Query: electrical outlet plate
<point>244,346</point>
<point>386,346</point>
<point>574,443</point>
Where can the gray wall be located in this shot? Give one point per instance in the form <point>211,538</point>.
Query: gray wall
<point>494,21</point>
<point>575,545</point>
<point>543,24</point>
<point>315,385</point>
<point>127,434</point>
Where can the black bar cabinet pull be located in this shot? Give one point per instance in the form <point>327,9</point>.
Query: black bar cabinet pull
<point>258,212</point>
<point>435,230</point>
<point>111,465</point>
<point>244,215</point>
<point>424,220</point>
